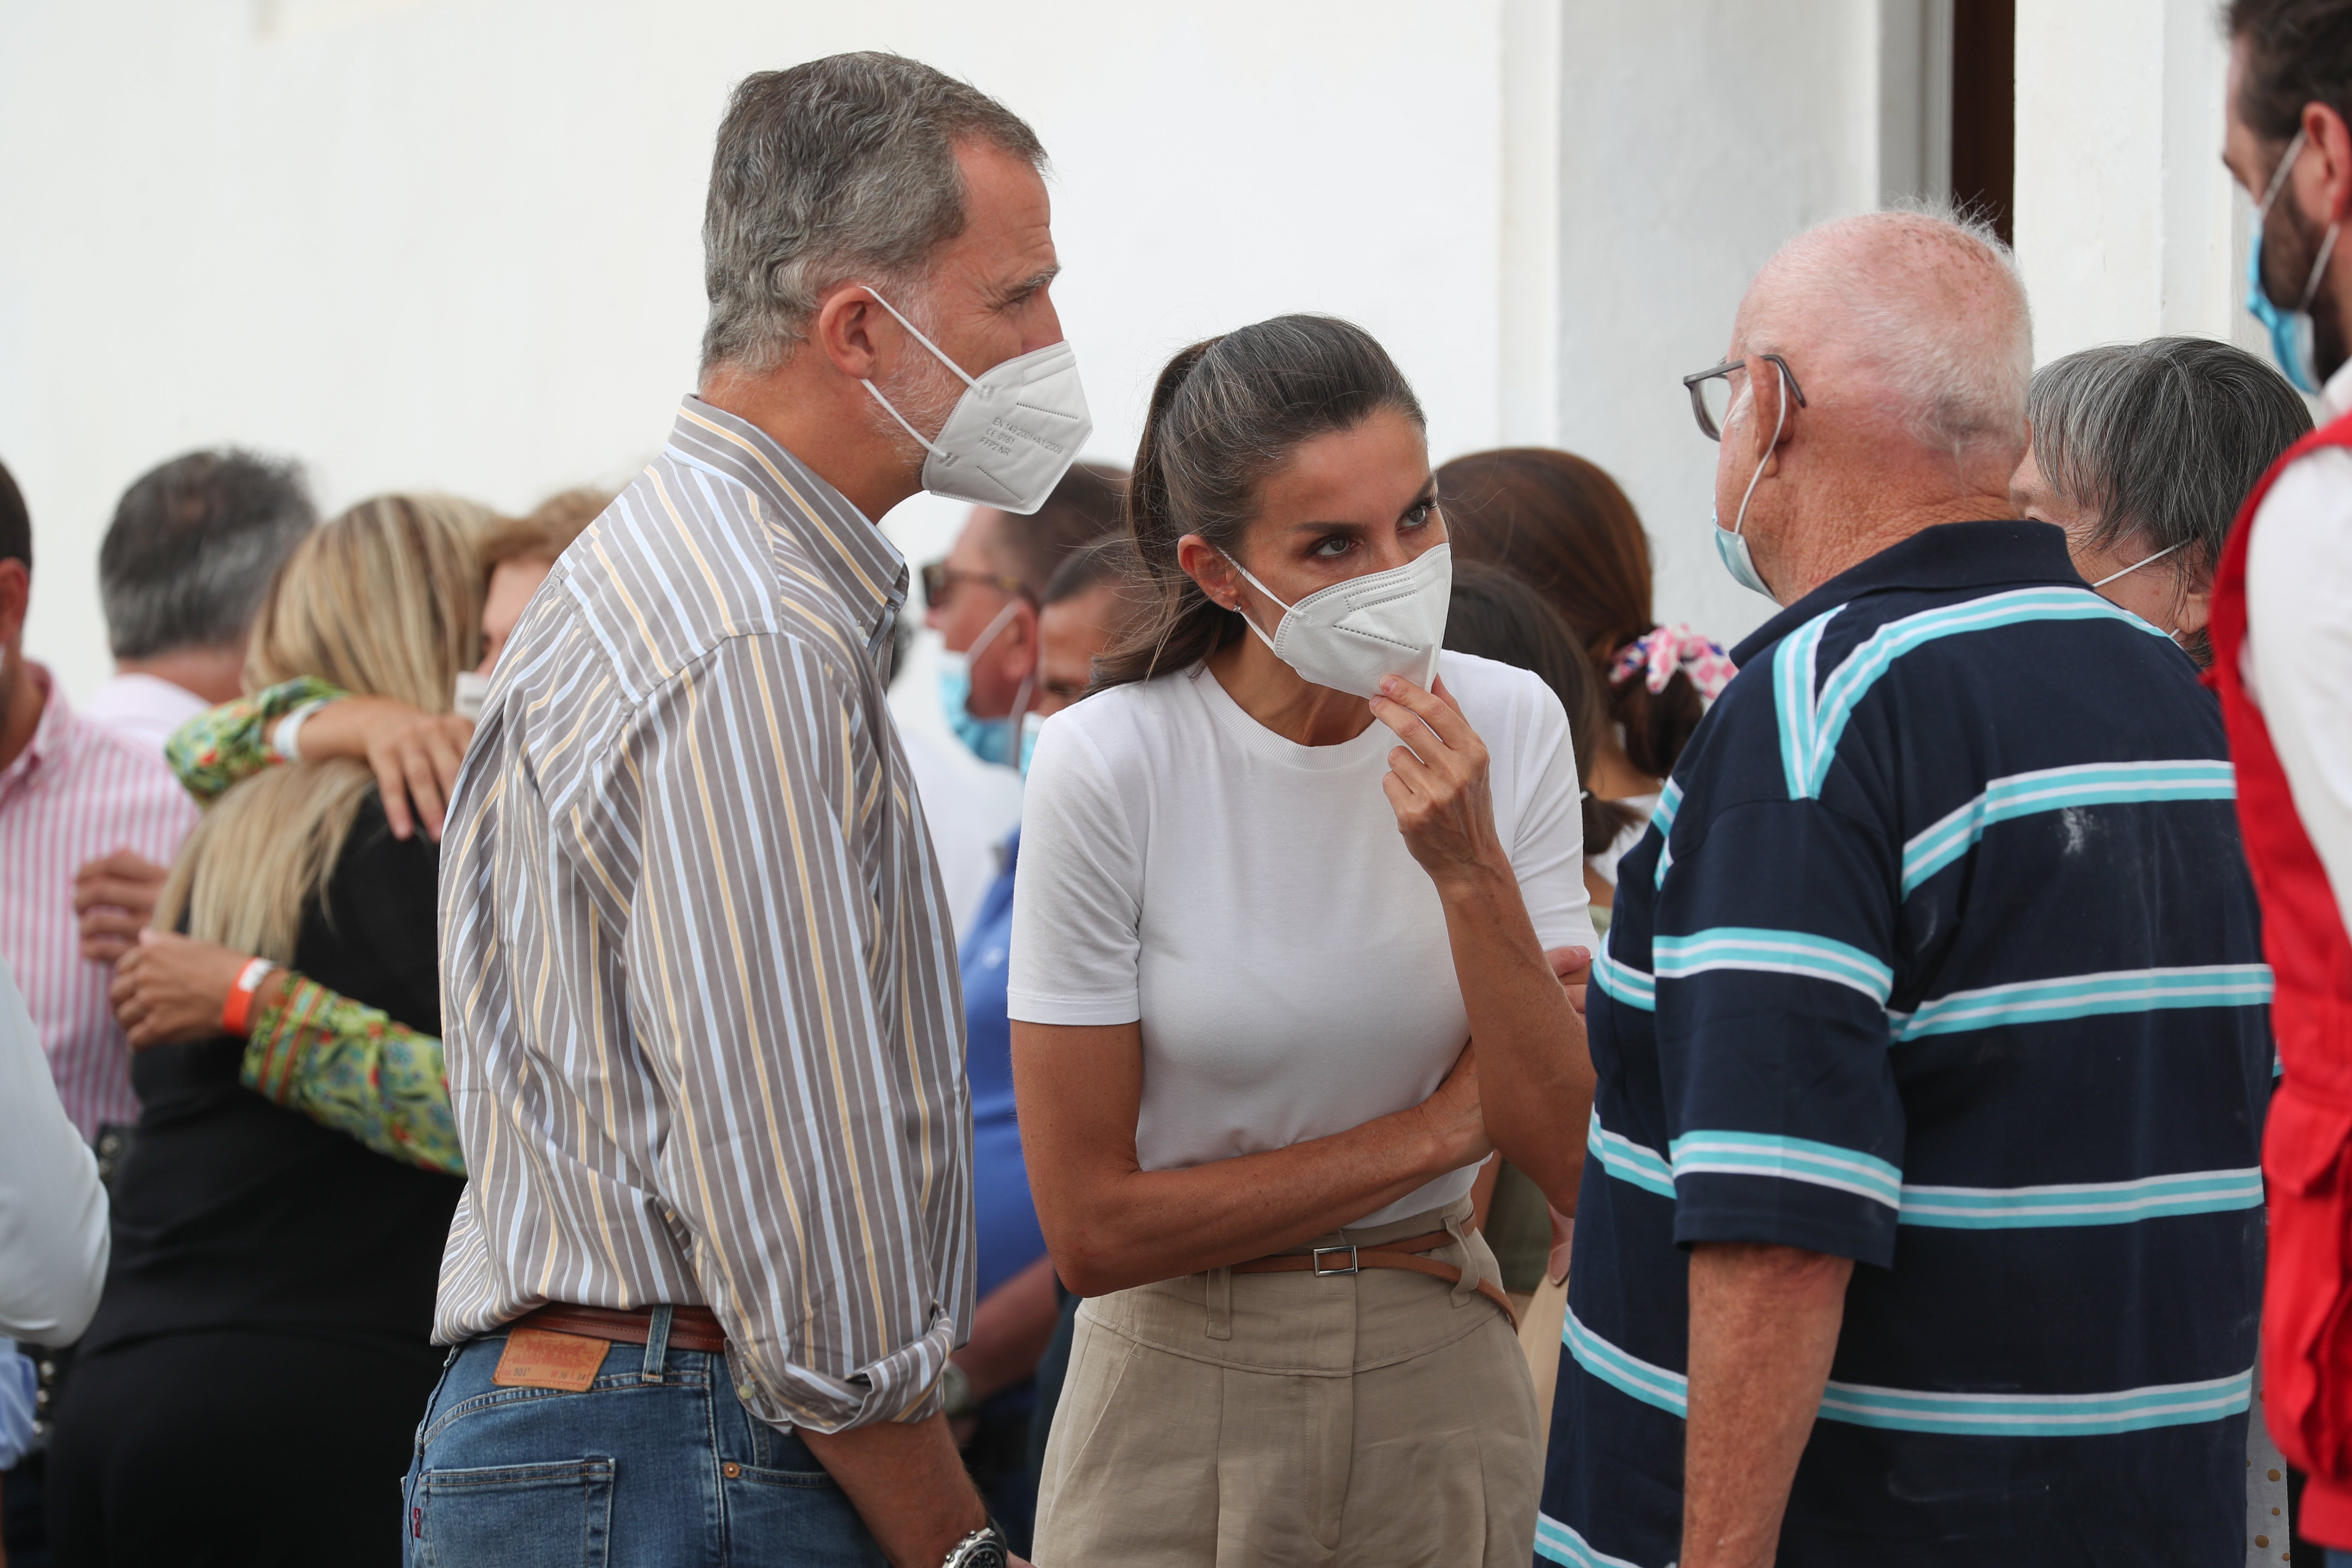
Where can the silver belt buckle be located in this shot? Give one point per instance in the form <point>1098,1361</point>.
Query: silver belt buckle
<point>1355,1265</point>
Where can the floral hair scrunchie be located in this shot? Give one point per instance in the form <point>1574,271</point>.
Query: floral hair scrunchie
<point>1666,651</point>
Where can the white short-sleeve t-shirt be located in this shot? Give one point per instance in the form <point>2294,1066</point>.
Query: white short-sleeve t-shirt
<point>1251,901</point>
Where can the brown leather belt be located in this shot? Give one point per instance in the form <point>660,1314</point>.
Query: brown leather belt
<point>1402,1254</point>
<point>690,1328</point>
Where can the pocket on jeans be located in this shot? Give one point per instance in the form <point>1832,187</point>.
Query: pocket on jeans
<point>555,1515</point>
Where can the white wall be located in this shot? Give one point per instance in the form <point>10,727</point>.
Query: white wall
<point>1696,137</point>
<point>2128,226</point>
<point>429,243</point>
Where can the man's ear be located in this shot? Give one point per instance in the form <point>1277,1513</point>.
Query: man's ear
<point>16,600</point>
<point>852,329</point>
<point>1767,426</point>
<point>2329,135</point>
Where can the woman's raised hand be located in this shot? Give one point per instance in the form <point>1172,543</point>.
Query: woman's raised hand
<point>1456,1115</point>
<point>1437,783</point>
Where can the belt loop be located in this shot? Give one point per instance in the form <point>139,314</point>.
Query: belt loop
<point>656,1345</point>
<point>1221,1304</point>
<point>1464,1289</point>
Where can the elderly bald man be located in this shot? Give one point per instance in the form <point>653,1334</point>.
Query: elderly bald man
<point>1921,1222</point>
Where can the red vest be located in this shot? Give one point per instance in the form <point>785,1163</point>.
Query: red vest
<point>2307,1146</point>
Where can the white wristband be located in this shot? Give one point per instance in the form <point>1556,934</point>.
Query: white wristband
<point>286,737</point>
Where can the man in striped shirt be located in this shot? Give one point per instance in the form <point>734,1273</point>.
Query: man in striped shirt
<point>70,792</point>
<point>703,1031</point>
<point>1920,1220</point>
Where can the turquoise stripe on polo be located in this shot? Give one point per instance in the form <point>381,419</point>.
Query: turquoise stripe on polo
<point>1625,983</point>
<point>1771,952</point>
<point>2081,1204</point>
<point>2038,1416</point>
<point>2057,789</point>
<point>1627,1161</point>
<point>1628,1374</point>
<point>1955,1414</point>
<point>1556,1543</point>
<point>1727,1153</point>
<point>2088,996</point>
<point>1670,801</point>
<point>1811,725</point>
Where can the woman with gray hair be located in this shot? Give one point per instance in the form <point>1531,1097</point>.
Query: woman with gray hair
<point>2142,452</point>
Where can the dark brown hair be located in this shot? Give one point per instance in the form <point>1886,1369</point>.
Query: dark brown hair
<point>2297,52</point>
<point>1227,413</point>
<point>1084,506</point>
<point>1495,615</point>
<point>1561,525</point>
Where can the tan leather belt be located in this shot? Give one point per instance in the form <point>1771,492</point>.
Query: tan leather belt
<point>690,1328</point>
<point>1404,1254</point>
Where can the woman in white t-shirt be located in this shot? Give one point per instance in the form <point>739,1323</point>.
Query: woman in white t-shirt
<point>1253,936</point>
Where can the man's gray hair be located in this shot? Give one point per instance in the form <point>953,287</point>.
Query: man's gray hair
<point>2162,440</point>
<point>840,169</point>
<point>192,547</point>
<point>1934,305</point>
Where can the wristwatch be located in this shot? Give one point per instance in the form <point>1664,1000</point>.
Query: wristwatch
<point>983,1548</point>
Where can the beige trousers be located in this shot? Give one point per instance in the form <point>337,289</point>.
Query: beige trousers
<point>1374,1419</point>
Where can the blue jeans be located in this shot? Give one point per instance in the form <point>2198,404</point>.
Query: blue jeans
<point>657,1462</point>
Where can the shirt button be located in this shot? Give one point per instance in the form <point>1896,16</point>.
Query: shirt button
<point>2275,1475</point>
<point>744,1390</point>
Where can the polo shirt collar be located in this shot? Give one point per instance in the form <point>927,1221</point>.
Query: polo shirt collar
<point>844,545</point>
<point>2009,554</point>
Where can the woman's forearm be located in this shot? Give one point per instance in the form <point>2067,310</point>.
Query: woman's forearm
<point>1162,1225</point>
<point>1532,1056</point>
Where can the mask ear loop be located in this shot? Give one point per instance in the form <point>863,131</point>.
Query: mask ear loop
<point>1247,619</point>
<point>918,333</point>
<point>1779,422</point>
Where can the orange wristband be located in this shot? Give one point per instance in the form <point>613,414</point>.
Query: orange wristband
<point>237,1012</point>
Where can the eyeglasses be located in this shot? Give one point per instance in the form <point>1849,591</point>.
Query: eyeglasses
<point>940,580</point>
<point>1711,393</point>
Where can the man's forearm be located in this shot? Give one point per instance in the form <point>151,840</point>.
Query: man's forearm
<point>909,1484</point>
<point>1764,1327</point>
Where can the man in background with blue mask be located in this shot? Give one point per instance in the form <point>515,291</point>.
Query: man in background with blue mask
<point>2281,633</point>
<point>983,600</point>
<point>1923,934</point>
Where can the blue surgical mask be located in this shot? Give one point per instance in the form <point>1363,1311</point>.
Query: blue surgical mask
<point>1032,725</point>
<point>1731,543</point>
<point>2292,338</point>
<point>996,742</point>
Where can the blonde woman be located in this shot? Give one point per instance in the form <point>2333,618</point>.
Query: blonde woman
<point>250,1385</point>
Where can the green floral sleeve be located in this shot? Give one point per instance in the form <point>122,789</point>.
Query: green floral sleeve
<point>224,746</point>
<point>350,1068</point>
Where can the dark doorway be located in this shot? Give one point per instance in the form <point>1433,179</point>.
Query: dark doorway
<point>1984,110</point>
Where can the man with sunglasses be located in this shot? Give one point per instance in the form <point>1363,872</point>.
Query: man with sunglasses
<point>1920,1220</point>
<point>2280,627</point>
<point>983,601</point>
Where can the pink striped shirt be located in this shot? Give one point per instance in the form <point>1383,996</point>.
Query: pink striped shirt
<point>77,793</point>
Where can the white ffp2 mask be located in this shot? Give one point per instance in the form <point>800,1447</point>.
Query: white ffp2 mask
<point>1014,433</point>
<point>1350,636</point>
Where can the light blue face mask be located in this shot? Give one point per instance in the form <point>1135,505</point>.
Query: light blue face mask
<point>1731,543</point>
<point>2293,341</point>
<point>999,742</point>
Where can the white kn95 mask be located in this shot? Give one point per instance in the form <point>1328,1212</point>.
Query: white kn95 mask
<point>1014,433</point>
<point>1351,634</point>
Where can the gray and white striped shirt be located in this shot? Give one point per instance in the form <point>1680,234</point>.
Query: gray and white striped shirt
<point>704,1031</point>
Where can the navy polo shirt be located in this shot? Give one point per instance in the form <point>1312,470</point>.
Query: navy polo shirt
<point>1940,955</point>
